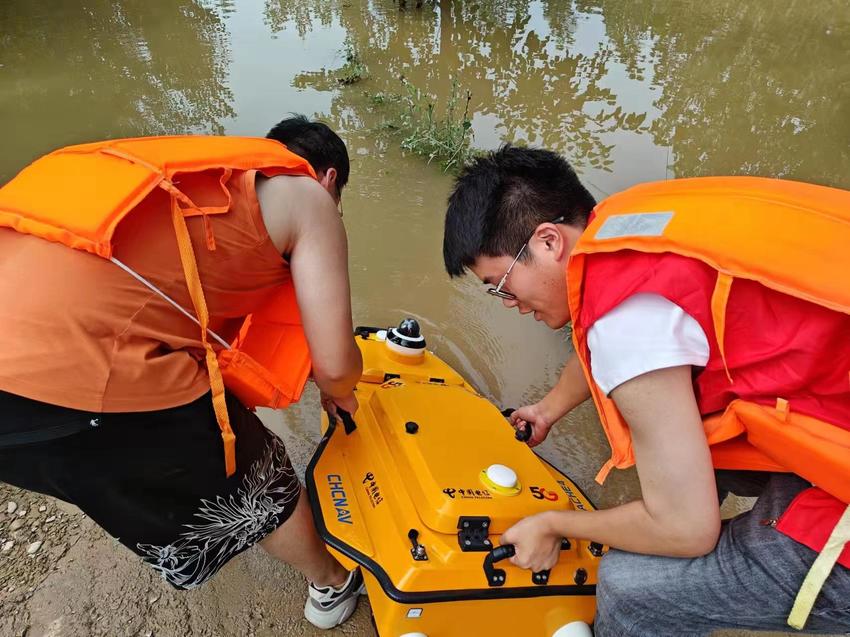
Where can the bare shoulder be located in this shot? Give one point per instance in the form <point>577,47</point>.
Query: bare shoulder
<point>285,191</point>
<point>284,200</point>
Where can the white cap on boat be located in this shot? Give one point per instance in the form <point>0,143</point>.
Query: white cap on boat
<point>502,476</point>
<point>573,629</point>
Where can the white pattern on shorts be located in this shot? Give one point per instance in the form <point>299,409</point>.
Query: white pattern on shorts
<point>230,524</point>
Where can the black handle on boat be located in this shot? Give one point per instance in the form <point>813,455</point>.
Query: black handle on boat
<point>524,434</point>
<point>502,552</point>
<point>496,576</point>
<point>347,420</point>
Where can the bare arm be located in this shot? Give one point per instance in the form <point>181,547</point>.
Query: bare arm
<point>570,391</point>
<point>679,514</point>
<point>305,223</point>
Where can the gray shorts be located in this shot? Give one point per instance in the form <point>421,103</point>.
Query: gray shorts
<point>749,581</point>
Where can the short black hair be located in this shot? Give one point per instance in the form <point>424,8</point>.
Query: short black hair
<point>501,197</point>
<point>315,142</point>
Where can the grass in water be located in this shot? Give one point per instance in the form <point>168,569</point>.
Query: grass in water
<point>441,134</point>
<point>446,137</point>
<point>353,70</point>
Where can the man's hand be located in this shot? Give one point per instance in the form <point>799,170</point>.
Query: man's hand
<point>536,417</point>
<point>348,403</point>
<point>570,390</point>
<point>537,544</point>
<point>678,515</point>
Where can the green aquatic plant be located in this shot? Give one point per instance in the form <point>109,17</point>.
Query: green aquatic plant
<point>442,134</point>
<point>353,70</point>
<point>380,98</point>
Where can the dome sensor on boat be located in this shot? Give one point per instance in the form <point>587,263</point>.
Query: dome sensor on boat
<point>406,339</point>
<point>501,480</point>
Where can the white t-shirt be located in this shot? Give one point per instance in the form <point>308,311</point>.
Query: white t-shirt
<point>643,333</point>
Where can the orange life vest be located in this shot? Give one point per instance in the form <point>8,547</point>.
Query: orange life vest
<point>791,238</point>
<point>715,220</point>
<point>78,195</point>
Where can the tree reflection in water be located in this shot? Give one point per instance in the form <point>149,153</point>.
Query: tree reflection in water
<point>120,67</point>
<point>729,87</point>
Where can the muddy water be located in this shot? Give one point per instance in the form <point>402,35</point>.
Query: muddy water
<point>628,91</point>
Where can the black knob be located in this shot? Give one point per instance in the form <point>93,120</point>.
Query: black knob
<point>503,552</point>
<point>409,327</point>
<point>524,434</point>
<point>411,427</point>
<point>580,576</point>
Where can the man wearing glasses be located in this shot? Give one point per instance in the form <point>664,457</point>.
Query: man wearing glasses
<point>648,352</point>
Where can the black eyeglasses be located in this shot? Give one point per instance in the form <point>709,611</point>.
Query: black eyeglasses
<point>497,291</point>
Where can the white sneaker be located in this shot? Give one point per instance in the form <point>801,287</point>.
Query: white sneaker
<point>328,607</point>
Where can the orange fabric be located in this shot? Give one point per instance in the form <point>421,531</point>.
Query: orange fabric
<point>811,518</point>
<point>270,361</point>
<point>88,336</point>
<point>93,215</point>
<point>196,292</point>
<point>83,212</point>
<point>719,300</point>
<point>790,237</point>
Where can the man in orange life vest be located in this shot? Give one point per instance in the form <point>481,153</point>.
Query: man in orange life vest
<point>705,376</point>
<point>104,389</point>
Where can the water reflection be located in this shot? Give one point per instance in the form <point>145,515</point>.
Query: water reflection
<point>305,16</point>
<point>717,88</point>
<point>526,82</point>
<point>91,69</point>
<point>746,88</point>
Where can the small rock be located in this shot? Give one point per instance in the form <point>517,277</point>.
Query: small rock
<point>16,524</point>
<point>42,508</point>
<point>11,507</point>
<point>50,519</point>
<point>153,599</point>
<point>32,549</point>
<point>7,546</point>
<point>22,513</point>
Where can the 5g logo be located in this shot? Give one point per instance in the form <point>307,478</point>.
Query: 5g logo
<point>540,493</point>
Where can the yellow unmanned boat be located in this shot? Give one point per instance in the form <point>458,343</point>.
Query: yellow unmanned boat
<point>418,487</point>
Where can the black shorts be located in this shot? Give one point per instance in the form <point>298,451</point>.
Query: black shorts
<point>155,480</point>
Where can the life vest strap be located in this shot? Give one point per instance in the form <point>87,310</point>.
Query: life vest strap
<point>133,159</point>
<point>196,292</point>
<point>167,299</point>
<point>166,184</point>
<point>719,300</point>
<point>821,568</point>
<point>604,471</point>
